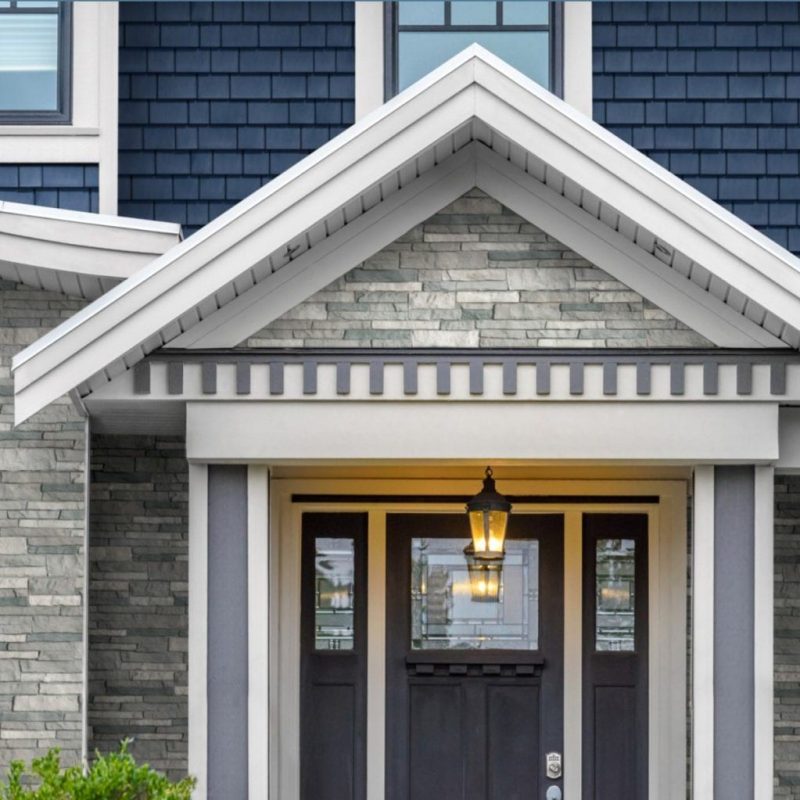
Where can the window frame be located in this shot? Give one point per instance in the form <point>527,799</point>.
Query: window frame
<point>555,27</point>
<point>63,114</point>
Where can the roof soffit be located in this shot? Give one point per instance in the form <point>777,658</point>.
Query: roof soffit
<point>474,97</point>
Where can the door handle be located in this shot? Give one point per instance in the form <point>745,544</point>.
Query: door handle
<point>552,764</point>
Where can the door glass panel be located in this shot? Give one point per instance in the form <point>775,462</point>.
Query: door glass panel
<point>448,612</point>
<point>334,585</point>
<point>616,574</point>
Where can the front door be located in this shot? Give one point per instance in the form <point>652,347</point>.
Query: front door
<point>474,675</point>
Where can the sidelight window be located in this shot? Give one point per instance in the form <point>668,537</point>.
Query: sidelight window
<point>616,597</point>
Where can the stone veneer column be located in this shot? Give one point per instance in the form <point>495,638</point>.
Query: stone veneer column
<point>41,549</point>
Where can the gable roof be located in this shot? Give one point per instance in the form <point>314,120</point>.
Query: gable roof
<point>474,121</point>
<point>74,252</point>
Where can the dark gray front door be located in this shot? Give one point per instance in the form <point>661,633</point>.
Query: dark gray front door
<point>474,687</point>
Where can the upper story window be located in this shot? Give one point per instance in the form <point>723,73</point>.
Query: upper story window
<point>34,62</point>
<point>425,33</point>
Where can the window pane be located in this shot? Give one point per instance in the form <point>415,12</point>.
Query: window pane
<point>616,597</point>
<point>28,62</point>
<point>473,12</point>
<point>526,12</point>
<point>420,12</point>
<point>447,613</point>
<point>420,51</point>
<point>334,587</point>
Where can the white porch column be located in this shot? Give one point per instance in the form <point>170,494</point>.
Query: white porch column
<point>733,632</point>
<point>228,631</point>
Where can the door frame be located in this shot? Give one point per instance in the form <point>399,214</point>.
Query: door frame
<point>668,596</point>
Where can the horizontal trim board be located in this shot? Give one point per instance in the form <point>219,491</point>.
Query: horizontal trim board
<point>329,430</point>
<point>529,499</point>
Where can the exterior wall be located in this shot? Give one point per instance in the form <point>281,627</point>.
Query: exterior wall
<point>476,275</point>
<point>41,549</point>
<point>72,186</point>
<point>787,636</point>
<point>710,91</point>
<point>138,603</point>
<point>217,98</point>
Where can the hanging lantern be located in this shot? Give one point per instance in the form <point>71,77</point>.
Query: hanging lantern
<point>484,577</point>
<point>488,518</point>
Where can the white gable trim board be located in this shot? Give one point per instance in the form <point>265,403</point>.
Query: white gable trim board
<point>473,97</point>
<point>75,252</point>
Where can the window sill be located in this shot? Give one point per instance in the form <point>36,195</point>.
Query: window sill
<point>47,130</point>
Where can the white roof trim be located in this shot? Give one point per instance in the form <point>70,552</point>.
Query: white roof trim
<point>75,252</point>
<point>473,96</point>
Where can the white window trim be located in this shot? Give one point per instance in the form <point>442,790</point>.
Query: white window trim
<point>91,136</point>
<point>369,39</point>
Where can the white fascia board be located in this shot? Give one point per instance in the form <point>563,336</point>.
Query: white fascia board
<point>475,165</point>
<point>78,243</point>
<point>336,255</point>
<point>617,255</point>
<point>327,162</point>
<point>156,296</point>
<point>661,432</point>
<point>637,187</point>
<point>472,84</point>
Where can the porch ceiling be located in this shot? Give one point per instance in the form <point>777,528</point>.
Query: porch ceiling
<point>474,121</point>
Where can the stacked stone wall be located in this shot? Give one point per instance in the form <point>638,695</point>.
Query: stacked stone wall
<point>41,549</point>
<point>787,636</point>
<point>476,275</point>
<point>138,611</point>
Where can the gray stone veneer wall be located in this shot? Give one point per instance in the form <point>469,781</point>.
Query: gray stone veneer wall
<point>787,636</point>
<point>476,275</point>
<point>41,549</point>
<point>138,611</point>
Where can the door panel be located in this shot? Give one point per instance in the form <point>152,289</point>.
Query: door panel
<point>513,733</point>
<point>435,767</point>
<point>615,643</point>
<point>474,689</point>
<point>333,646</point>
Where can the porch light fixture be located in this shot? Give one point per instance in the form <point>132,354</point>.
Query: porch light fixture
<point>484,577</point>
<point>488,518</point>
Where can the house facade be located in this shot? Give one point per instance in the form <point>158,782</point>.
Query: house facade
<point>280,281</point>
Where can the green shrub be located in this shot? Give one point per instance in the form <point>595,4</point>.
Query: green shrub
<point>112,777</point>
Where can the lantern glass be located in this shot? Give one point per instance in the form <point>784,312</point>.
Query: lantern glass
<point>489,532</point>
<point>488,519</point>
<point>484,578</point>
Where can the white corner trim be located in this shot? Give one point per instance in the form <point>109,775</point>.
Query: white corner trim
<point>578,55</point>
<point>369,56</point>
<point>108,105</point>
<point>703,633</point>
<point>91,137</point>
<point>376,656</point>
<point>258,586</point>
<point>198,626</point>
<point>764,623</point>
<point>573,653</point>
